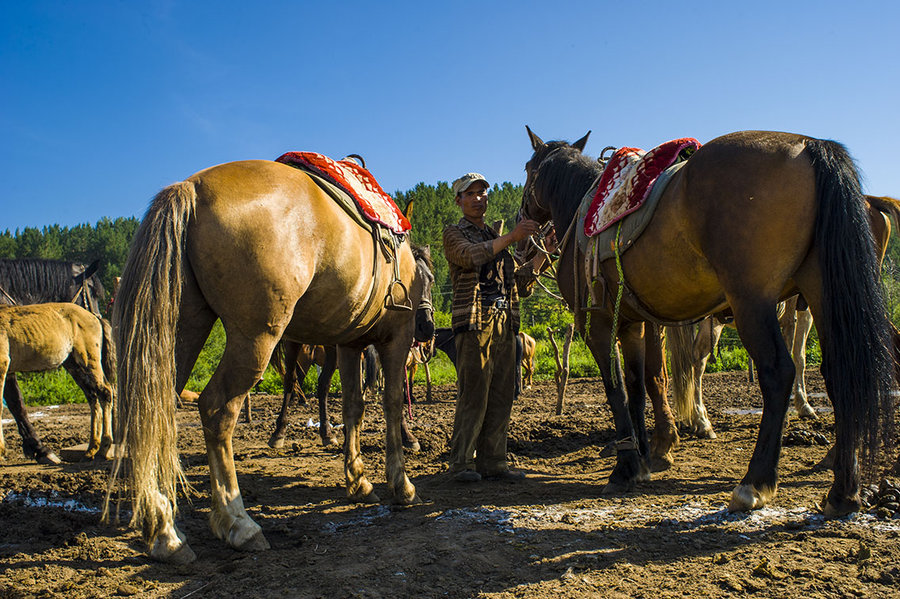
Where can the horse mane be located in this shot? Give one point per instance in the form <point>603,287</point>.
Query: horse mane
<point>39,280</point>
<point>565,176</point>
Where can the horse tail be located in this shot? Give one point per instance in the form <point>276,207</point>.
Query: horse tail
<point>680,342</point>
<point>145,318</point>
<point>856,359</point>
<point>886,205</point>
<point>370,368</point>
<point>277,359</point>
<point>108,352</point>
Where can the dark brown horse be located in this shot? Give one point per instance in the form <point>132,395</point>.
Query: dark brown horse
<point>37,281</point>
<point>262,247</point>
<point>752,218</point>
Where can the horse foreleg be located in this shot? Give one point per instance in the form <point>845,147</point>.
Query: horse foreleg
<point>632,344</point>
<point>761,334</point>
<point>32,446</point>
<point>628,466</point>
<point>359,489</point>
<point>291,351</point>
<point>665,433</point>
<point>324,383</point>
<point>393,358</point>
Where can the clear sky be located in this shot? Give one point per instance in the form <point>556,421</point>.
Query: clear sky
<point>104,103</point>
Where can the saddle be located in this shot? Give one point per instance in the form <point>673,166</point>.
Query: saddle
<point>358,183</point>
<point>625,194</point>
<point>355,190</point>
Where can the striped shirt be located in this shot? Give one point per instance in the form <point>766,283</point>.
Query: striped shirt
<point>468,248</point>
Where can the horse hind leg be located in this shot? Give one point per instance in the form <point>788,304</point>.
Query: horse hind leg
<point>757,323</point>
<point>801,333</point>
<point>32,446</point>
<point>242,364</point>
<point>323,384</point>
<point>291,366</point>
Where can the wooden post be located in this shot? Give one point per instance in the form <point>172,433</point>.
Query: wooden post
<point>562,365</point>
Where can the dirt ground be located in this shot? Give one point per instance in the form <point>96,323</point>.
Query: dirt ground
<point>549,536</point>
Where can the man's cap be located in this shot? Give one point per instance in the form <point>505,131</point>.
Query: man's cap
<point>466,181</point>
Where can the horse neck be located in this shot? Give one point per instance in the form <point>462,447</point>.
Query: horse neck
<point>565,196</point>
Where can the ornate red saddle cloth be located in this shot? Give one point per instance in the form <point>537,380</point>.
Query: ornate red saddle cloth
<point>627,180</point>
<point>375,205</point>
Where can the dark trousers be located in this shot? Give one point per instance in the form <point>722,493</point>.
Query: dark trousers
<point>485,365</point>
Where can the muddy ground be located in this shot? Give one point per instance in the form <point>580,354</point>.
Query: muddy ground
<point>550,536</point>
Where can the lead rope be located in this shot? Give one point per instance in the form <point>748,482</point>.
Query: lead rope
<point>614,376</point>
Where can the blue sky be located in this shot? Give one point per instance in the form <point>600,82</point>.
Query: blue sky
<point>104,103</point>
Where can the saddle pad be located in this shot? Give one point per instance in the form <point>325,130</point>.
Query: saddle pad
<point>373,202</point>
<point>627,179</point>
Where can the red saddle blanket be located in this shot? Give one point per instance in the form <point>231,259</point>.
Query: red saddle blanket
<point>627,180</point>
<point>375,205</point>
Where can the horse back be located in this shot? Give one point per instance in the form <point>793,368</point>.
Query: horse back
<point>42,336</point>
<point>740,215</point>
<point>265,241</point>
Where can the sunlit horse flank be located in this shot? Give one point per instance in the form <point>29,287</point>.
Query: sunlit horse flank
<point>260,246</point>
<point>40,337</point>
<point>36,281</point>
<point>691,346</point>
<point>754,217</point>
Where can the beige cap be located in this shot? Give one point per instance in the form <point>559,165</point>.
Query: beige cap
<point>464,182</point>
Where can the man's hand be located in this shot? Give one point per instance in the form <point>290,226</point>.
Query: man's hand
<point>524,228</point>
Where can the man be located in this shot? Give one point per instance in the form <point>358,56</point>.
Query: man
<point>485,321</point>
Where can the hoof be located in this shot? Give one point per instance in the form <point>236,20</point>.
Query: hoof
<point>415,500</point>
<point>661,463</point>
<point>257,542</point>
<point>840,509</point>
<point>276,442</point>
<point>746,497</point>
<point>183,555</point>
<point>616,488</point>
<point>412,447</point>
<point>330,442</point>
<point>807,412</point>
<point>49,458</point>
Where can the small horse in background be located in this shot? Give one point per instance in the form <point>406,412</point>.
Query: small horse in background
<point>527,362</point>
<point>41,337</point>
<point>36,281</point>
<point>304,356</point>
<point>262,247</point>
<point>420,353</point>
<point>691,346</point>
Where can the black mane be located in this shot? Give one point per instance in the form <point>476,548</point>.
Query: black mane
<point>39,280</point>
<point>565,175</point>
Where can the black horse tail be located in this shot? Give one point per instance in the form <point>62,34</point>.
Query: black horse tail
<point>108,353</point>
<point>371,368</point>
<point>856,355</point>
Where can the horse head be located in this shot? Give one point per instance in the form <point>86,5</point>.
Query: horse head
<point>547,185</point>
<point>424,329</point>
<point>87,290</point>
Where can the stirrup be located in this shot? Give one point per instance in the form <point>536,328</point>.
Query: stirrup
<point>390,304</point>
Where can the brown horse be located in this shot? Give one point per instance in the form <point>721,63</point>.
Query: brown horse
<point>262,247</point>
<point>753,218</point>
<point>46,336</point>
<point>691,346</point>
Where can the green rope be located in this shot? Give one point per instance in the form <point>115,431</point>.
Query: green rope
<point>615,324</point>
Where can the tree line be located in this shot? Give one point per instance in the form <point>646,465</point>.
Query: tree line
<point>434,207</point>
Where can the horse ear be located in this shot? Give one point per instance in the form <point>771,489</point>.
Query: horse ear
<point>409,210</point>
<point>536,142</point>
<point>579,145</point>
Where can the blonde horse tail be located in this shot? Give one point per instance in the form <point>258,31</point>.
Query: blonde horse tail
<point>680,342</point>
<point>145,318</point>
